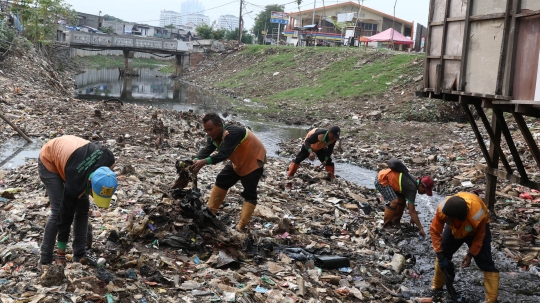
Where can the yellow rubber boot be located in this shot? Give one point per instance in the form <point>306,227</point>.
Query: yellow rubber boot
<point>491,282</point>
<point>245,216</point>
<point>438,278</point>
<point>216,198</point>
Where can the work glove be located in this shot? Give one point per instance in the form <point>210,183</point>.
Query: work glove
<point>443,261</point>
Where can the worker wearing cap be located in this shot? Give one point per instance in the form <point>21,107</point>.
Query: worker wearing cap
<point>247,155</point>
<point>399,190</point>
<point>72,168</point>
<point>463,218</point>
<point>318,142</point>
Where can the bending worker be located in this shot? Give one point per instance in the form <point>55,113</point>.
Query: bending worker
<point>247,155</point>
<point>318,142</point>
<point>467,221</point>
<point>71,168</point>
<point>399,189</point>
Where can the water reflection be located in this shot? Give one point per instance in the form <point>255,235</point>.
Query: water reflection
<point>151,88</point>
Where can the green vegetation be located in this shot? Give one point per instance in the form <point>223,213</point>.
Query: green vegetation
<point>206,31</point>
<point>262,21</point>
<point>101,61</point>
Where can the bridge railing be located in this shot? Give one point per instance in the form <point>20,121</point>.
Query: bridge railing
<point>112,41</point>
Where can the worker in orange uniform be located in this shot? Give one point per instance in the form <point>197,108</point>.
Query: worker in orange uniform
<point>247,155</point>
<point>467,221</point>
<point>399,190</point>
<point>318,142</point>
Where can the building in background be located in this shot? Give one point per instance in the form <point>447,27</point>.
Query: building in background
<point>170,17</point>
<point>196,19</point>
<point>228,22</point>
<point>191,7</point>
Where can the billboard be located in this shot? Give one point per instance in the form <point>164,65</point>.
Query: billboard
<point>279,17</point>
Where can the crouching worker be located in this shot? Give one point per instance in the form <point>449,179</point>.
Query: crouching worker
<point>399,190</point>
<point>247,155</point>
<point>463,218</point>
<point>72,168</point>
<point>318,142</point>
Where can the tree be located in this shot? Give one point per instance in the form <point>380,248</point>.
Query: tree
<point>205,31</point>
<point>170,26</point>
<point>107,17</point>
<point>233,35</point>
<point>219,34</point>
<point>40,18</point>
<point>107,30</point>
<point>262,21</point>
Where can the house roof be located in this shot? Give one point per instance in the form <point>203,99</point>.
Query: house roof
<point>349,4</point>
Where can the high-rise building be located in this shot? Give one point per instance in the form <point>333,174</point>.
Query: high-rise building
<point>196,19</point>
<point>170,17</point>
<point>228,22</point>
<point>192,7</point>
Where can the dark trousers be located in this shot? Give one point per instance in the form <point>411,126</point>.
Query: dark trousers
<point>483,260</point>
<point>227,177</point>
<point>304,154</point>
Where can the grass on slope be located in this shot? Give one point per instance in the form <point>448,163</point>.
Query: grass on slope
<point>342,77</point>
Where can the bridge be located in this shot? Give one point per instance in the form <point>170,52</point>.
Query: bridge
<point>130,44</point>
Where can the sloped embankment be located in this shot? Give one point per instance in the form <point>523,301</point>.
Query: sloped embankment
<point>310,83</point>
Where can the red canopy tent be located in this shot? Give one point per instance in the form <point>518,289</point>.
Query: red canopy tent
<point>386,36</point>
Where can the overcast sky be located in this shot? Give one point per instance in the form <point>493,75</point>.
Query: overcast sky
<point>148,11</point>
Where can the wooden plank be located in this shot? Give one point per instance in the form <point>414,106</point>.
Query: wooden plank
<point>438,76</point>
<point>494,155</point>
<point>511,144</point>
<point>428,44</point>
<point>487,17</point>
<point>436,23</point>
<point>455,19</point>
<point>503,175</point>
<point>495,142</point>
<point>446,57</point>
<point>503,107</point>
<point>523,102</point>
<point>504,46</point>
<point>497,173</point>
<point>527,110</point>
<point>440,70</point>
<point>466,32</point>
<point>527,14</point>
<point>525,131</point>
<point>476,131</point>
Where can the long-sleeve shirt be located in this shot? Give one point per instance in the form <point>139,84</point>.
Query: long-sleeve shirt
<point>74,159</point>
<point>235,135</point>
<point>474,225</point>
<point>238,144</point>
<point>320,138</point>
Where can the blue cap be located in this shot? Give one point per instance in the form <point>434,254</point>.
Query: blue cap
<point>104,185</point>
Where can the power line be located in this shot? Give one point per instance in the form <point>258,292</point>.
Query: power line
<point>200,12</point>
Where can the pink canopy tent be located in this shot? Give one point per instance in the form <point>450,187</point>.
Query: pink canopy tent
<point>386,36</point>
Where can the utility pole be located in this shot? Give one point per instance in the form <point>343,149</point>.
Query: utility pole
<point>240,23</point>
<point>313,17</point>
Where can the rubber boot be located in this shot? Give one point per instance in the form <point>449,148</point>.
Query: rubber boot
<point>293,167</point>
<point>399,213</point>
<point>330,170</point>
<point>245,216</point>
<point>389,214</point>
<point>438,278</point>
<point>216,198</point>
<point>491,282</point>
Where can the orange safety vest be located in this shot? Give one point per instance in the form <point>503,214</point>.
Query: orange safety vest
<point>392,178</point>
<point>320,143</point>
<point>477,212</point>
<point>246,155</point>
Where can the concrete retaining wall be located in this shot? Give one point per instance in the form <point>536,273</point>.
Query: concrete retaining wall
<point>73,52</point>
